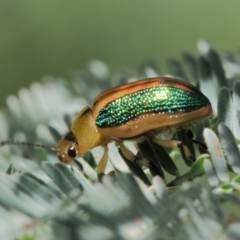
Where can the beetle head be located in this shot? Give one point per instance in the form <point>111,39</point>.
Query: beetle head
<point>67,148</point>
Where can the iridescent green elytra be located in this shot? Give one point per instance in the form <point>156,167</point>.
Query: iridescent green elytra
<point>160,99</point>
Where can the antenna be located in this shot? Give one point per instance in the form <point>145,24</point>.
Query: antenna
<point>29,144</point>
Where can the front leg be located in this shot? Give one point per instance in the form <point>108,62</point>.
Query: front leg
<point>103,162</point>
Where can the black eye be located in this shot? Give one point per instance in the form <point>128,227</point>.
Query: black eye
<point>72,152</point>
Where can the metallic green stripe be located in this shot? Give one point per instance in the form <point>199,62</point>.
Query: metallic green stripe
<point>161,99</point>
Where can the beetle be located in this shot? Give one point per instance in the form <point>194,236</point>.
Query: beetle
<point>134,111</point>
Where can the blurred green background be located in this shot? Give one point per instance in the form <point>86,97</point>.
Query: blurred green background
<point>40,38</point>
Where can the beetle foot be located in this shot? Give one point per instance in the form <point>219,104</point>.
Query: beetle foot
<point>101,175</point>
<point>143,162</point>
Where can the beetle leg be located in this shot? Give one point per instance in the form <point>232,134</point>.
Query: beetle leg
<point>103,162</point>
<point>203,146</point>
<point>175,144</point>
<point>127,153</point>
<point>132,157</point>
